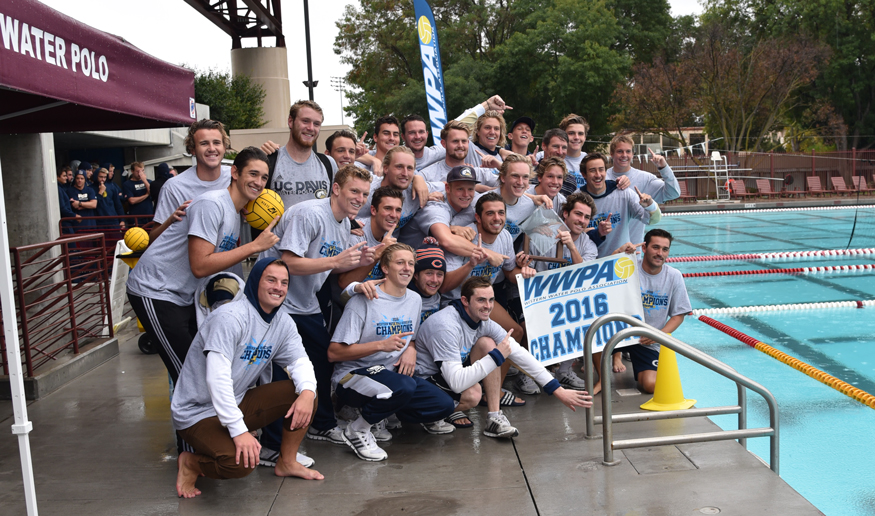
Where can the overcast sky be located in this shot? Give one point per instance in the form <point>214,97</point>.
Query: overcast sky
<point>173,31</point>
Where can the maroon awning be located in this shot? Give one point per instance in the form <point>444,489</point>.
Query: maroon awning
<point>58,74</point>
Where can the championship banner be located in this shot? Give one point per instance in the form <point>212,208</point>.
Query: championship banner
<point>561,304</point>
<point>432,71</point>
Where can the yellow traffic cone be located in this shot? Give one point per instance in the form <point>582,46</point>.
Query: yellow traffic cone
<point>668,394</point>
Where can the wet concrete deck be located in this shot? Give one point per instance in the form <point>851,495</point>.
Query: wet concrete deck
<point>103,445</point>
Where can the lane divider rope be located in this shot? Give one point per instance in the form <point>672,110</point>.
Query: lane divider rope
<point>786,255</point>
<point>825,378</point>
<point>796,270</point>
<point>767,210</point>
<point>786,307</point>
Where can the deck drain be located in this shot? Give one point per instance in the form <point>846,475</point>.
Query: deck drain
<point>709,510</point>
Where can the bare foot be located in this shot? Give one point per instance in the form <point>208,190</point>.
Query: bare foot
<point>296,470</point>
<point>618,364</point>
<point>462,421</point>
<point>187,476</point>
<point>597,388</point>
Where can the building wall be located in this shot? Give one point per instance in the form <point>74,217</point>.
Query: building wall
<point>30,188</point>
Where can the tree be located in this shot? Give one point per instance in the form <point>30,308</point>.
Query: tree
<point>546,58</point>
<point>846,27</point>
<point>235,101</point>
<point>660,98</point>
<point>749,88</point>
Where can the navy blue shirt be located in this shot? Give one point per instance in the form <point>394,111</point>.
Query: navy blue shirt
<point>137,189</point>
<point>84,195</point>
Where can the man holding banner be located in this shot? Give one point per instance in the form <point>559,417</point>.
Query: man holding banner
<point>460,346</point>
<point>665,301</point>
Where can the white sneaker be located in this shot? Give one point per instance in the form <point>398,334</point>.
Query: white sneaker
<point>393,423</point>
<point>499,426</point>
<point>381,434</point>
<point>438,427</point>
<point>269,458</point>
<point>526,385</point>
<point>569,380</point>
<point>305,461</point>
<point>335,435</point>
<point>364,445</point>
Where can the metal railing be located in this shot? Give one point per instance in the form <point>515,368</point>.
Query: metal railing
<point>61,291</point>
<point>634,328</point>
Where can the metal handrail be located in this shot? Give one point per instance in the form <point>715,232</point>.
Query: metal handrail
<point>637,328</point>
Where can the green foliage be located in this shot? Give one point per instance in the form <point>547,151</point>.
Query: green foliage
<point>236,102</point>
<point>545,58</point>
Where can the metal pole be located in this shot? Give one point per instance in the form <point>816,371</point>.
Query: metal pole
<point>21,426</point>
<point>310,83</point>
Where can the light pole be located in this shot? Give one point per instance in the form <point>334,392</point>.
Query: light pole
<point>338,84</point>
<point>309,83</point>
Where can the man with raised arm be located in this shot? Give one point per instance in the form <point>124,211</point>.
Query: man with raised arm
<point>665,301</point>
<point>206,141</point>
<point>460,346</point>
<point>661,190</point>
<point>375,355</point>
<point>386,137</point>
<point>215,406</point>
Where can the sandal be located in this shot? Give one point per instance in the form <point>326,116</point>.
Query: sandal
<point>508,399</point>
<point>456,416</point>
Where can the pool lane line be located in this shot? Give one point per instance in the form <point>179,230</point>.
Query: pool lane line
<point>827,379</point>
<point>795,270</point>
<point>784,255</point>
<point>767,210</point>
<point>782,308</point>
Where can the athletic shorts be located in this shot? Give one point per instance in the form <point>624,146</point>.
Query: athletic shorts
<point>438,379</point>
<point>643,359</point>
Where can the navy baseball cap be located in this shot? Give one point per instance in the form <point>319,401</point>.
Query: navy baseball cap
<point>522,120</point>
<point>463,173</point>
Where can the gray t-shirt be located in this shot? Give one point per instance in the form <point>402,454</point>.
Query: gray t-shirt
<point>430,306</point>
<point>515,214</point>
<point>558,201</point>
<point>435,212</point>
<point>587,249</point>
<point>503,244</point>
<point>238,332</point>
<point>431,155</point>
<point>297,182</point>
<point>623,207</point>
<point>664,296</point>
<point>661,190</point>
<point>184,187</point>
<point>437,173</point>
<point>372,241</point>
<point>311,231</point>
<point>445,337</point>
<point>164,271</point>
<point>366,320</point>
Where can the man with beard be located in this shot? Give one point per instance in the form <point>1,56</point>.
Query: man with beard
<point>301,174</point>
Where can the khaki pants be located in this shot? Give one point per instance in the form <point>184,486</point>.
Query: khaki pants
<point>214,447</point>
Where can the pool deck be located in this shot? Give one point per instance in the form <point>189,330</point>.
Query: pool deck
<point>103,445</point>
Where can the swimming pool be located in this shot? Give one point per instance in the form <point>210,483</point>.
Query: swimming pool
<point>825,436</point>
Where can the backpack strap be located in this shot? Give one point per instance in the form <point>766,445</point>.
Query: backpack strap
<point>328,169</point>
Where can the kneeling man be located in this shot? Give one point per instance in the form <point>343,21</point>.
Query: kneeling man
<point>460,345</point>
<point>214,406</point>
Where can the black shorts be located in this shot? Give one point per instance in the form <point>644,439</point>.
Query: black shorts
<point>643,359</point>
<point>438,379</point>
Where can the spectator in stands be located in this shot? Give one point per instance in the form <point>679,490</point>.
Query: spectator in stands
<point>136,194</point>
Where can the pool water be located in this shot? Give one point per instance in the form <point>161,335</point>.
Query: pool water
<point>826,442</point>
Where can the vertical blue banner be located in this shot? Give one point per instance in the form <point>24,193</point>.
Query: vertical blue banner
<point>432,72</point>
